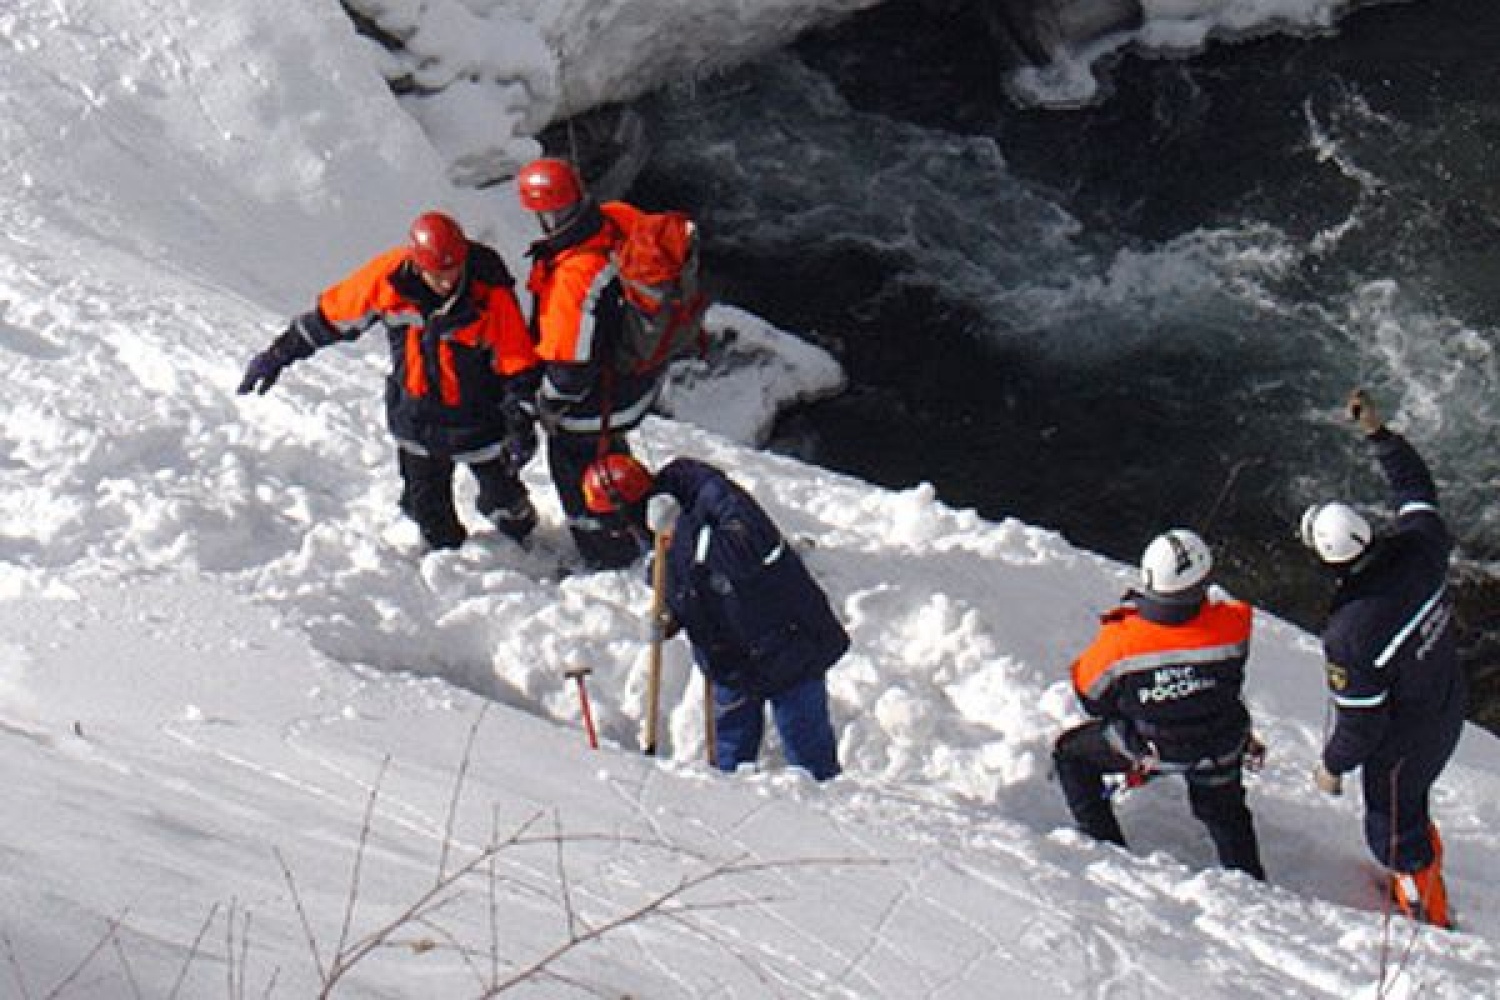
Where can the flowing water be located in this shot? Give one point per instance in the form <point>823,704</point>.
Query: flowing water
<point>1141,314</point>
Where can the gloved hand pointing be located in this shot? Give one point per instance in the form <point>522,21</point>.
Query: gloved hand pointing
<point>262,372</point>
<point>266,367</point>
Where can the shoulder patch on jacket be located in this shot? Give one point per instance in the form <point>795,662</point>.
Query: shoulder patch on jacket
<point>1338,677</point>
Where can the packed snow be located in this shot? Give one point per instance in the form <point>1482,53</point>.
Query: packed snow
<point>254,743</point>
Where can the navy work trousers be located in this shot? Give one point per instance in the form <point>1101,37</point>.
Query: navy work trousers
<point>1084,755</point>
<point>801,716</point>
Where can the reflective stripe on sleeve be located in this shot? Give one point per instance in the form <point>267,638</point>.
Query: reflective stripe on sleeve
<point>1406,630</point>
<point>1371,701</point>
<point>394,320</point>
<point>585,346</point>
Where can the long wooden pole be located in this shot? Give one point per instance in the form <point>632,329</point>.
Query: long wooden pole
<point>658,638</point>
<point>710,724</point>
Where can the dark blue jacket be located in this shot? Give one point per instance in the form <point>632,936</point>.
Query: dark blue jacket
<point>757,620</point>
<point>1393,666</point>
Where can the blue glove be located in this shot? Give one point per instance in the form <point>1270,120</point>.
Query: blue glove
<point>262,372</point>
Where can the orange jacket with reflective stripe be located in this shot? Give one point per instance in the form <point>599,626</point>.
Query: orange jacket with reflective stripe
<point>1176,683</point>
<point>454,361</point>
<point>568,285</point>
<point>577,316</point>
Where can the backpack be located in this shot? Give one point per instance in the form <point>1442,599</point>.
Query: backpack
<point>657,263</point>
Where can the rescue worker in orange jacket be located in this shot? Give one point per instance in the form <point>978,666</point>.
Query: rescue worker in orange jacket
<point>463,371</point>
<point>1163,680</point>
<point>585,403</point>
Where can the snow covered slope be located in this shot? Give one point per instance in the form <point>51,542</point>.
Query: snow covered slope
<point>220,653</point>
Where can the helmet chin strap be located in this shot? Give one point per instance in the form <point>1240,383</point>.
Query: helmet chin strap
<point>556,224</point>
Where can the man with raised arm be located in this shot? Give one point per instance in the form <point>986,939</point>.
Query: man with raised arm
<point>1392,663</point>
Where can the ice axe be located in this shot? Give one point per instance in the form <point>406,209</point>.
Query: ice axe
<point>578,672</point>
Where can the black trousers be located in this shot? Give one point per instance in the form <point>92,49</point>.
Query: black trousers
<point>604,541</point>
<point>427,496</point>
<point>1397,789</point>
<point>1084,755</point>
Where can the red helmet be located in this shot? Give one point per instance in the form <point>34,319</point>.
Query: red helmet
<point>437,243</point>
<point>549,185</point>
<point>614,481</point>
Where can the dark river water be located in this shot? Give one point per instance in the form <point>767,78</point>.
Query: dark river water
<point>1139,314</point>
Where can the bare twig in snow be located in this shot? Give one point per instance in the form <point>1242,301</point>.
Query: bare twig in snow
<point>445,891</point>
<point>661,904</point>
<point>237,951</point>
<point>493,888</point>
<point>352,899</point>
<point>458,785</point>
<point>423,945</point>
<point>110,931</point>
<point>192,955</point>
<point>15,966</point>
<point>428,903</point>
<point>120,956</point>
<point>307,931</point>
<point>570,915</point>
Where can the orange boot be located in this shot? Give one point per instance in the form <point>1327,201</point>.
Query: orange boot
<point>1421,894</point>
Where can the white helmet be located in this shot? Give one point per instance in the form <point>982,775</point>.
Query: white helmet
<point>1175,562</point>
<point>1335,531</point>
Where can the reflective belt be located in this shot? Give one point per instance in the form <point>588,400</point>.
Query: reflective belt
<point>618,420</point>
<point>1203,770</point>
<point>477,456</point>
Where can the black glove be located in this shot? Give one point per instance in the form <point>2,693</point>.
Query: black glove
<point>521,435</point>
<point>550,412</point>
<point>266,367</point>
<point>262,372</point>
<point>520,445</point>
